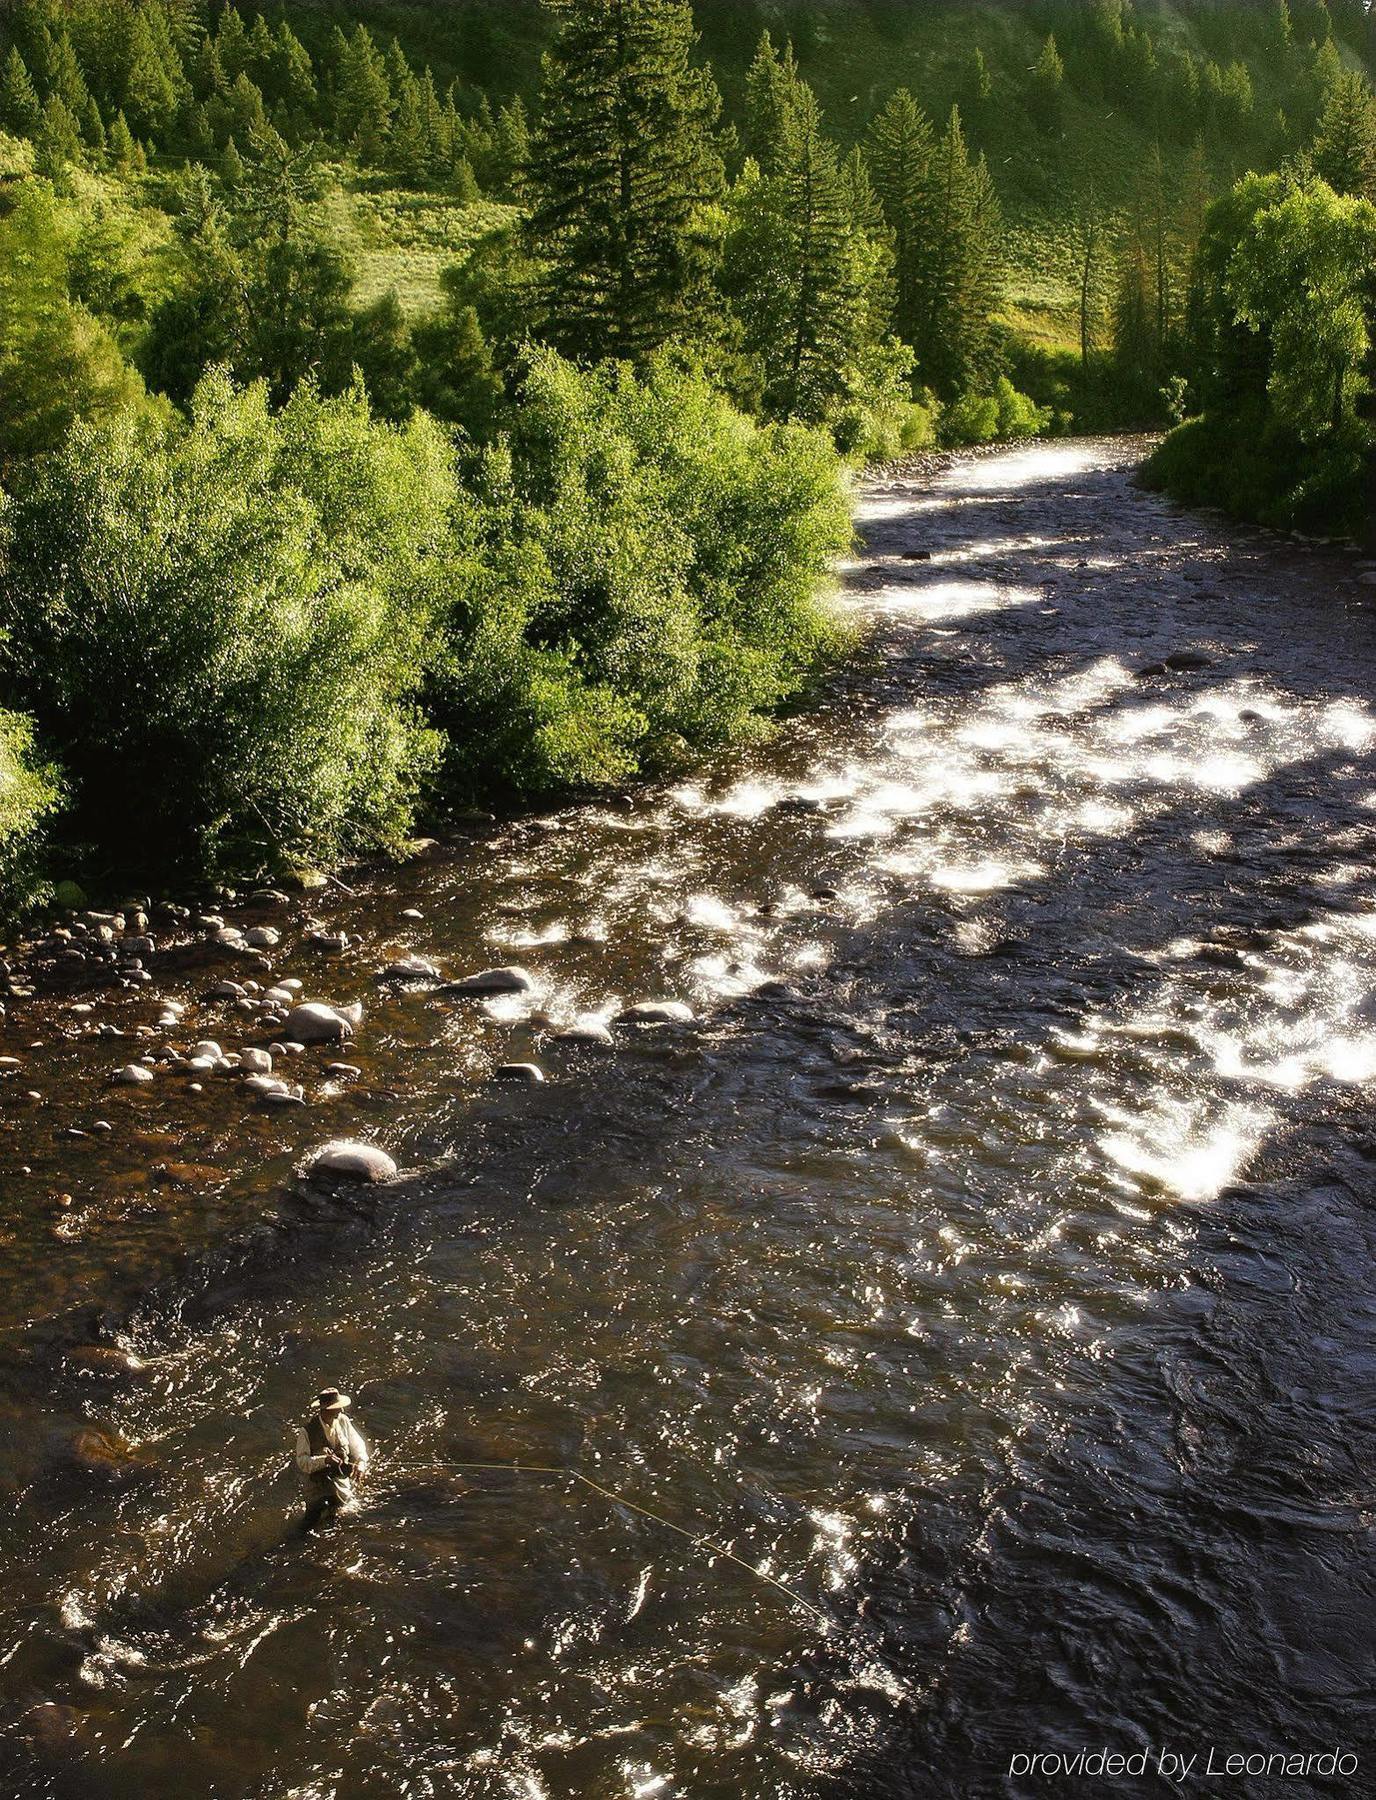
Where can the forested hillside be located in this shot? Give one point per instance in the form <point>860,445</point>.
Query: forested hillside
<point>402,405</point>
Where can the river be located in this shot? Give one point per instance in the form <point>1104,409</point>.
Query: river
<point>990,1261</point>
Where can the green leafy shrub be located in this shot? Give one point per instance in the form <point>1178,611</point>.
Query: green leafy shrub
<point>642,579</point>
<point>218,622</point>
<point>1004,414</point>
<point>1252,465</point>
<point>1281,318</point>
<point>28,794</point>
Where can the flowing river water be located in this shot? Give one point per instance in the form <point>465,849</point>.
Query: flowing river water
<point>990,1261</point>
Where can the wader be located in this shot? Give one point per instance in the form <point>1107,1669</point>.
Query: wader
<point>329,1487</point>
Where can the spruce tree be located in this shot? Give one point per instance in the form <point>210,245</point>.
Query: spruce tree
<point>978,83</point>
<point>409,146</point>
<point>510,152</point>
<point>154,81</point>
<point>867,218</point>
<point>621,174</point>
<point>93,132</point>
<point>1047,91</point>
<point>244,110</point>
<point>65,78</point>
<point>20,109</point>
<point>957,270</point>
<point>121,145</point>
<point>1344,151</point>
<point>804,276</point>
<point>207,70</point>
<point>231,41</point>
<point>363,98</point>
<point>771,90</point>
<point>58,142</point>
<point>259,49</point>
<point>232,166</point>
<point>291,78</point>
<point>901,146</point>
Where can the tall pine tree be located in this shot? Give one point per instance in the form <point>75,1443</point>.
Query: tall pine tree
<point>901,146</point>
<point>1344,150</point>
<point>621,179</point>
<point>20,109</point>
<point>957,270</point>
<point>807,281</point>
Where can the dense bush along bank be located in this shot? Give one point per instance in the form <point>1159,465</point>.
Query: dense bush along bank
<point>28,793</point>
<point>374,440</point>
<point>1282,314</point>
<point>256,633</point>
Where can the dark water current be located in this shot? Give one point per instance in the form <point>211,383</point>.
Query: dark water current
<point>991,1262</point>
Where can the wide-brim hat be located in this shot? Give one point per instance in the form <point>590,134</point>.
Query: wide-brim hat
<point>331,1400</point>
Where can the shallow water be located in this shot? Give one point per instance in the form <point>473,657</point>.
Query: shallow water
<point>991,1263</point>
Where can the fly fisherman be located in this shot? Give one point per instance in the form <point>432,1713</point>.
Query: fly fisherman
<point>330,1453</point>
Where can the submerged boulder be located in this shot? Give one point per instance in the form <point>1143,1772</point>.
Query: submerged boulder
<point>351,1160</point>
<point>409,968</point>
<point>591,1030</point>
<point>1182,660</point>
<point>525,1074</point>
<point>492,981</point>
<point>656,1012</point>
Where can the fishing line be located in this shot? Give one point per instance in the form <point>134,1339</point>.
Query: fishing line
<point>702,1543</point>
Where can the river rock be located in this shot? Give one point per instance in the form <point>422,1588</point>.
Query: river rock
<point>263,1085</point>
<point>133,1075</point>
<point>410,968</point>
<point>279,1094</point>
<point>492,981</point>
<point>315,1023</point>
<point>526,1074</point>
<point>333,943</point>
<point>209,1049</point>
<point>352,1160</point>
<point>1183,660</point>
<point>586,1031</point>
<point>256,1062</point>
<point>262,937</point>
<point>656,1012</point>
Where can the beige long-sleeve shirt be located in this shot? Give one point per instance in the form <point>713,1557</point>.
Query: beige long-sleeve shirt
<point>343,1435</point>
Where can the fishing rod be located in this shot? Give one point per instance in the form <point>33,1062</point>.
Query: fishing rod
<point>618,1499</point>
